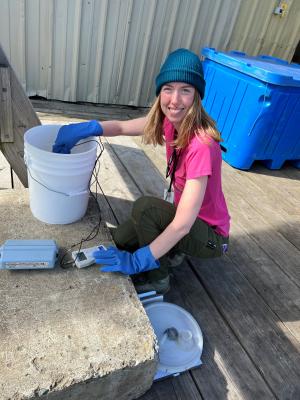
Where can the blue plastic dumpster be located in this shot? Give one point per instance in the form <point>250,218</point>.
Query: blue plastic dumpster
<point>256,104</point>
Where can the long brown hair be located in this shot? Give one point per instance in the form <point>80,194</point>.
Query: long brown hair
<point>196,122</point>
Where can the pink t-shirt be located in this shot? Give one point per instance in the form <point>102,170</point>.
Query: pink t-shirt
<point>202,157</point>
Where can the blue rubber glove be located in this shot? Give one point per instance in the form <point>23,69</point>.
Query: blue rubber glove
<point>115,260</point>
<point>69,135</point>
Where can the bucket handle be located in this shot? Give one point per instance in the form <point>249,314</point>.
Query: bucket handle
<point>27,162</point>
<point>78,193</point>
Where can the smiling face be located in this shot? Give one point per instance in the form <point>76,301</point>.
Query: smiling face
<point>176,98</point>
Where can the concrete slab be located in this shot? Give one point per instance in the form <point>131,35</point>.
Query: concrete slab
<point>69,333</point>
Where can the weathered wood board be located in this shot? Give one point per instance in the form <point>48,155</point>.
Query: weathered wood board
<point>16,120</point>
<point>6,122</point>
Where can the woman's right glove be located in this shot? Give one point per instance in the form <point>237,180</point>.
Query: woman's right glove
<point>69,135</point>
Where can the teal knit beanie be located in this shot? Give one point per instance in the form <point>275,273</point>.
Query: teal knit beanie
<point>181,66</point>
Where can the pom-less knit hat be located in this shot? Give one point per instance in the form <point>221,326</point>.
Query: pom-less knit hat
<point>181,66</point>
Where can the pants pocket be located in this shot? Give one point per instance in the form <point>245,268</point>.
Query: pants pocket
<point>209,252</point>
<point>213,247</point>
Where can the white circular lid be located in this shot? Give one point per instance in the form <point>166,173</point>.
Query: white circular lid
<point>179,336</point>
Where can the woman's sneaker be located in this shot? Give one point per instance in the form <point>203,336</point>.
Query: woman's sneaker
<point>161,286</point>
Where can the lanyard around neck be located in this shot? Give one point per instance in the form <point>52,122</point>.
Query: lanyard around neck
<point>171,167</point>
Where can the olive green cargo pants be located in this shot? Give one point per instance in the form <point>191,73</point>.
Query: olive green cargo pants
<point>149,217</point>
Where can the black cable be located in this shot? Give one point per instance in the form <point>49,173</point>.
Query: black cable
<point>46,187</point>
<point>94,232</point>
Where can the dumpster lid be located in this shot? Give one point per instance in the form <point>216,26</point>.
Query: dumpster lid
<point>264,67</point>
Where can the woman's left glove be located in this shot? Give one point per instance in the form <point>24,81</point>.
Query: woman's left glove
<point>115,260</point>
<point>69,135</point>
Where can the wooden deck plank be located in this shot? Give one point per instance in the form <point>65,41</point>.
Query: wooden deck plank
<point>278,248</point>
<point>141,168</point>
<point>160,391</point>
<point>178,388</point>
<point>157,154</point>
<point>274,212</point>
<point>185,385</point>
<point>227,371</point>
<point>276,184</point>
<point>277,290</point>
<point>87,111</point>
<point>117,184</point>
<point>248,250</point>
<point>272,348</point>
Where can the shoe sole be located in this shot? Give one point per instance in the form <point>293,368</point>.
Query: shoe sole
<point>148,287</point>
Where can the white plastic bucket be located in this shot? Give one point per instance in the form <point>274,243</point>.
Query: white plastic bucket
<point>58,183</point>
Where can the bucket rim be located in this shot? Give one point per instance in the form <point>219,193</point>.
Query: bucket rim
<point>74,155</point>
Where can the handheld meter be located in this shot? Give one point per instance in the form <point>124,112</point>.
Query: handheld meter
<point>84,257</point>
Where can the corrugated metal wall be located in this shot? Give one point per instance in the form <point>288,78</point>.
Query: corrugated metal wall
<point>259,31</point>
<point>109,51</point>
